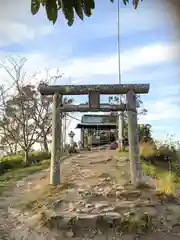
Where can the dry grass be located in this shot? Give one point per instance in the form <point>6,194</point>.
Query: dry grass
<point>166,185</point>
<point>132,222</point>
<point>148,150</point>
<point>120,150</point>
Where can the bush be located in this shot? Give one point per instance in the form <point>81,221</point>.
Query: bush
<point>166,152</point>
<point>149,170</point>
<point>166,185</point>
<point>38,156</point>
<point>158,152</point>
<point>13,161</point>
<point>148,151</point>
<point>16,161</point>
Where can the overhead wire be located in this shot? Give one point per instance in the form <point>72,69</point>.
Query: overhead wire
<point>76,118</point>
<point>119,44</point>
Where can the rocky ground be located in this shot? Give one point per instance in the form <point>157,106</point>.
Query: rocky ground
<point>94,201</point>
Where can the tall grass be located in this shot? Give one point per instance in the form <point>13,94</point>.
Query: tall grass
<point>166,185</point>
<point>161,160</point>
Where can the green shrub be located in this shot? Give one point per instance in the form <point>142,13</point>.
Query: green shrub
<point>13,161</point>
<point>166,152</point>
<point>39,156</point>
<point>16,161</point>
<point>149,170</point>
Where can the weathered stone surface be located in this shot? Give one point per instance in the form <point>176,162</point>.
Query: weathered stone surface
<point>101,205</point>
<point>118,187</point>
<point>85,89</point>
<point>129,194</point>
<point>58,222</point>
<point>57,203</point>
<point>84,210</point>
<point>108,209</point>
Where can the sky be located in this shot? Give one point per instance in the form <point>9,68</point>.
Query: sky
<point>86,53</point>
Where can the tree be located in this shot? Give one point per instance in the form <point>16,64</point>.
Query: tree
<point>139,102</point>
<point>69,8</point>
<point>17,120</point>
<point>7,144</point>
<point>43,110</point>
<point>25,114</point>
<point>145,132</point>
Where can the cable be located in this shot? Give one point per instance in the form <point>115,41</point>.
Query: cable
<point>118,42</point>
<point>120,114</point>
<point>77,118</point>
<point>74,118</point>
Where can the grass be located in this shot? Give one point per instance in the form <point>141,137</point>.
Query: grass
<point>166,185</point>
<point>9,178</point>
<point>137,223</point>
<point>153,171</point>
<point>165,180</point>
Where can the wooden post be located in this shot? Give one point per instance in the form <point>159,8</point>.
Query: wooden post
<point>121,130</point>
<point>56,140</point>
<point>82,136</point>
<point>134,155</point>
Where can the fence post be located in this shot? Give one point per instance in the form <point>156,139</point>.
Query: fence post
<point>134,155</point>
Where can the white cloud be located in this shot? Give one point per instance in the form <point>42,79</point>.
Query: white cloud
<point>18,24</point>
<point>159,110</point>
<point>131,59</point>
<point>85,68</point>
<point>17,32</point>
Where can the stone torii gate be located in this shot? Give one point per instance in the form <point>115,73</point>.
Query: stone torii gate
<point>94,91</point>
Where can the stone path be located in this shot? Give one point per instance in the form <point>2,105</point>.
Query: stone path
<point>94,201</point>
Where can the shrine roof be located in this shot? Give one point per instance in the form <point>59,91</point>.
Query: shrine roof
<point>97,125</point>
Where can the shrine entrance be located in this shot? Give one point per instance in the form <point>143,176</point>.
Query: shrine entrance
<point>94,105</point>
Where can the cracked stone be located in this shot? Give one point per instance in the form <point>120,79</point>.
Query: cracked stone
<point>84,210</point>
<point>100,205</point>
<point>130,194</point>
<point>108,209</point>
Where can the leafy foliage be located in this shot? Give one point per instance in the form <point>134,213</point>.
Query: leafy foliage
<point>16,161</point>
<point>139,103</point>
<point>145,133</point>
<point>69,8</point>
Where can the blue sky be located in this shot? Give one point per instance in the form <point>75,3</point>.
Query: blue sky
<point>87,52</point>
